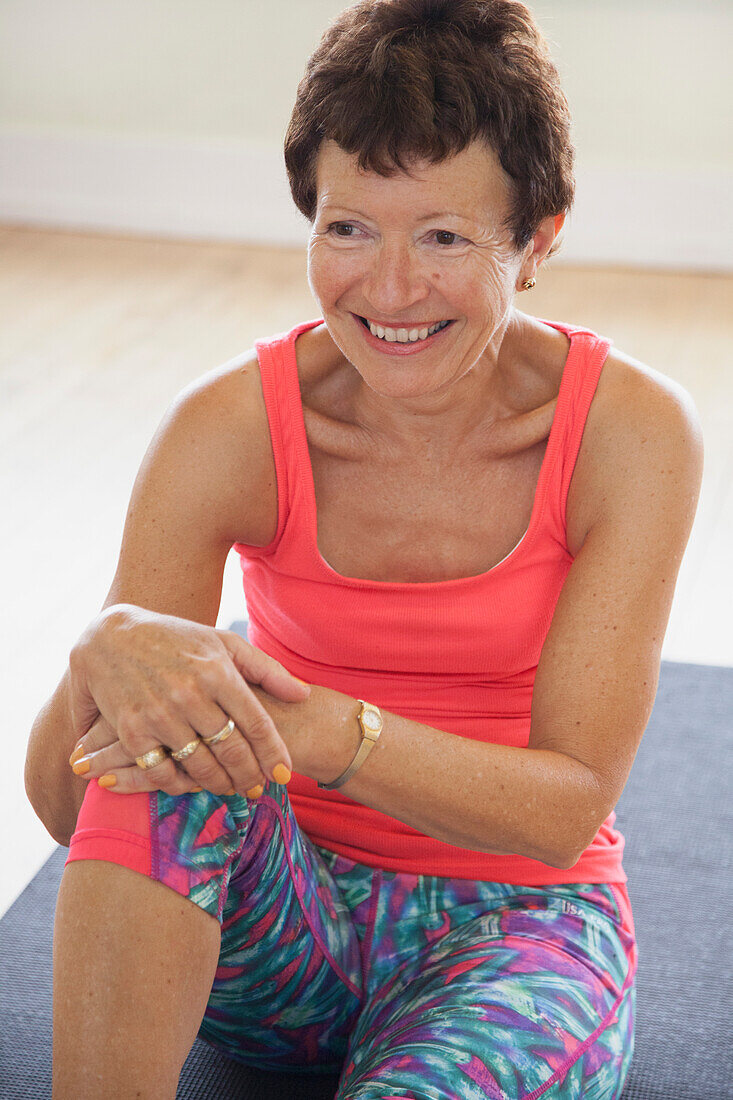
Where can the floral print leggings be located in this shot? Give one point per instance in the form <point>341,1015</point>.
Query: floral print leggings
<point>411,986</point>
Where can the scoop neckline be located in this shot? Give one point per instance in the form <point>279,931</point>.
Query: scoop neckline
<point>301,441</point>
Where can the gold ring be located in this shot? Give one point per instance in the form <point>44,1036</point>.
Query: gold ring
<point>222,735</point>
<point>181,754</point>
<point>151,759</point>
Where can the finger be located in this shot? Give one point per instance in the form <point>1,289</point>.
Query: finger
<point>260,734</point>
<point>235,754</point>
<point>255,665</point>
<point>134,779</point>
<point>126,781</point>
<point>94,764</point>
<point>100,735</point>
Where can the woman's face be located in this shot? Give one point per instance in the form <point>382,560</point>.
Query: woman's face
<point>409,252</point>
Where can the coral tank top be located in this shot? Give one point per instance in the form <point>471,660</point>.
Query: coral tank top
<point>458,655</point>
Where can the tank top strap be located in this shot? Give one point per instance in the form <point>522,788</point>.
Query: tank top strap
<point>589,353</point>
<point>281,393</point>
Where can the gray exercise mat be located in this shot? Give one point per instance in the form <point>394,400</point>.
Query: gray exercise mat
<point>677,815</point>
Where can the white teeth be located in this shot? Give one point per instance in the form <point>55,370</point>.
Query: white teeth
<point>402,335</point>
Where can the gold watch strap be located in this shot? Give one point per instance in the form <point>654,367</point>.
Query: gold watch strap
<point>370,721</point>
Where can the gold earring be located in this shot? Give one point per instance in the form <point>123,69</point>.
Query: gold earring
<point>528,284</point>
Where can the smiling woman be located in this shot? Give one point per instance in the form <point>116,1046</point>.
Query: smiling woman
<point>461,525</point>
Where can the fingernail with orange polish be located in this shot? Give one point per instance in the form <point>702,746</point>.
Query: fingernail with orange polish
<point>76,754</point>
<point>281,774</point>
<point>108,781</point>
<point>81,767</point>
<point>255,792</point>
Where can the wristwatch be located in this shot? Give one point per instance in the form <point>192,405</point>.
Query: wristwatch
<point>370,720</point>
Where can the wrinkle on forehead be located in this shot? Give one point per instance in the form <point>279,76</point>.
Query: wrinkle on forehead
<point>471,182</point>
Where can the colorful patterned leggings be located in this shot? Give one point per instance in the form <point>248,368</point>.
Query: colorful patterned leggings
<point>409,985</point>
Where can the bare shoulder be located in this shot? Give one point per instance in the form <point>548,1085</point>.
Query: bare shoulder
<point>640,424</point>
<point>234,416</point>
<point>241,474</point>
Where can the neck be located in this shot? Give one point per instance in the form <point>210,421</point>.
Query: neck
<point>454,410</point>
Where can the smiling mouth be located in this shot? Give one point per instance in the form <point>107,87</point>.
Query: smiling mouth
<point>407,328</point>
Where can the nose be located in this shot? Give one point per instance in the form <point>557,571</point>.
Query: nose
<point>395,281</point>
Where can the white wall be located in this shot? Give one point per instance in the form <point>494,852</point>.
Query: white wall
<point>167,117</point>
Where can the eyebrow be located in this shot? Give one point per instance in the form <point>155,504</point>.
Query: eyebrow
<point>425,218</point>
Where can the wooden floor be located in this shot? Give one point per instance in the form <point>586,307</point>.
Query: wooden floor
<point>99,333</point>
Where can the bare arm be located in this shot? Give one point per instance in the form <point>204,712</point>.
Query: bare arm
<point>199,489</point>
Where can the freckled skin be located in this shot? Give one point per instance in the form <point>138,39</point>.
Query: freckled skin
<point>392,265</point>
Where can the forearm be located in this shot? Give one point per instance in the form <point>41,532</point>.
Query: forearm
<point>55,793</point>
<point>476,795</point>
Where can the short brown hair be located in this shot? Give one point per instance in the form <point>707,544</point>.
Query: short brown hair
<point>394,80</point>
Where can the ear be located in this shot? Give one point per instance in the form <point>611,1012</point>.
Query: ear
<point>541,243</point>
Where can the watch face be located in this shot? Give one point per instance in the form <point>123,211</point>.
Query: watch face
<point>371,720</point>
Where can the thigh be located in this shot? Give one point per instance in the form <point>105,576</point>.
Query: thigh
<point>534,997</point>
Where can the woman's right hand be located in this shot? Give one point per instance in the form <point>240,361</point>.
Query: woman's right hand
<point>162,680</point>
